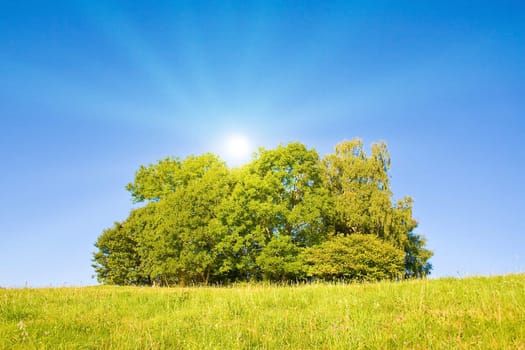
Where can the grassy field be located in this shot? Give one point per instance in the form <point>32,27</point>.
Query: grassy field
<point>470,313</point>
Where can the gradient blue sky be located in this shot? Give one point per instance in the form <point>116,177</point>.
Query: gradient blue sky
<point>91,90</point>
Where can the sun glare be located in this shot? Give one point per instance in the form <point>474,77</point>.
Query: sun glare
<point>238,149</point>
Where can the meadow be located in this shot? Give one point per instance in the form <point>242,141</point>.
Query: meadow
<point>450,313</point>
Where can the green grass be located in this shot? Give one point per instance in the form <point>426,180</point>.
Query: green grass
<point>470,313</point>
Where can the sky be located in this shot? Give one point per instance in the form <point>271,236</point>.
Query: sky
<point>91,90</point>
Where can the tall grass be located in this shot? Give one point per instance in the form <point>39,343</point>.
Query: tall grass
<point>472,313</point>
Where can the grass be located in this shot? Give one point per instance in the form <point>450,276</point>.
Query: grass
<point>470,313</point>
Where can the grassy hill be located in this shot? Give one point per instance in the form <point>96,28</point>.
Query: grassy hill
<point>470,313</point>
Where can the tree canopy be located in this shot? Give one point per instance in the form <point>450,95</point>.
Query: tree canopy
<point>288,215</point>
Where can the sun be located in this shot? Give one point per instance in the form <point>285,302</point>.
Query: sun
<point>238,149</point>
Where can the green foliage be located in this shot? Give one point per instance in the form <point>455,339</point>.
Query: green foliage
<point>279,194</point>
<point>416,257</point>
<point>273,219</point>
<point>361,189</point>
<point>156,181</point>
<point>279,260</point>
<point>118,260</point>
<point>355,257</point>
<point>182,248</point>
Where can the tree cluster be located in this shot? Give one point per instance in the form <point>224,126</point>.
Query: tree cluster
<point>288,215</point>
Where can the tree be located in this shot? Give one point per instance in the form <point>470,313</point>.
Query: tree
<point>279,194</point>
<point>360,185</point>
<point>416,258</point>
<point>156,181</point>
<point>178,246</point>
<point>279,260</point>
<point>297,200</point>
<point>118,260</point>
<point>285,215</point>
<point>354,257</point>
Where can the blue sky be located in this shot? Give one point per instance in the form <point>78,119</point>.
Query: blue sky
<point>91,90</point>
